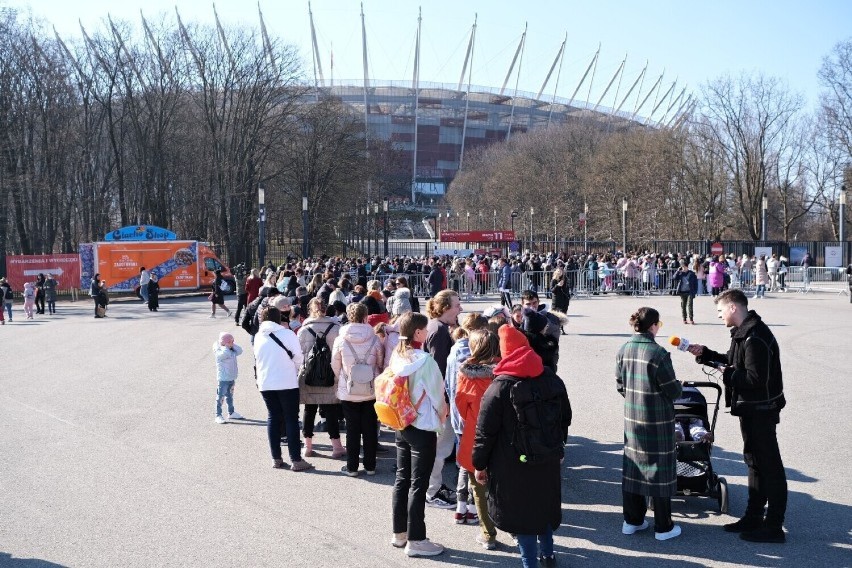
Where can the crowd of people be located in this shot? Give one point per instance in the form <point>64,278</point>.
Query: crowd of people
<point>323,340</point>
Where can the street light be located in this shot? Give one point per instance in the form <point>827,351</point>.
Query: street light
<point>585,227</point>
<point>532,212</point>
<point>763,221</point>
<point>468,221</point>
<point>513,215</point>
<point>843,223</point>
<point>457,221</point>
<point>495,220</point>
<point>376,222</point>
<point>708,220</point>
<point>261,210</point>
<point>555,229</point>
<point>624,225</point>
<point>448,219</point>
<point>305,246</point>
<point>385,207</point>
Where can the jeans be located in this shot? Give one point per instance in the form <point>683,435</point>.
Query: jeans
<point>9,309</point>
<point>686,305</point>
<point>51,306</point>
<point>635,506</point>
<point>283,407</point>
<point>444,447</point>
<point>360,424</point>
<point>143,291</point>
<point>331,413</point>
<point>415,455</point>
<point>463,492</point>
<point>506,299</point>
<point>529,545</point>
<point>701,287</point>
<point>225,391</point>
<point>767,481</point>
<point>761,291</point>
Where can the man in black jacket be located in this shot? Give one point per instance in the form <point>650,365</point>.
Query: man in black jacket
<point>754,389</point>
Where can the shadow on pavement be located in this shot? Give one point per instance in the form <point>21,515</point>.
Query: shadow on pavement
<point>7,559</point>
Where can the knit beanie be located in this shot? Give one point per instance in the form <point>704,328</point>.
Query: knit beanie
<point>534,322</point>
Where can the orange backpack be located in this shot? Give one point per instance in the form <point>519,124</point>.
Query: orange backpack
<point>393,401</point>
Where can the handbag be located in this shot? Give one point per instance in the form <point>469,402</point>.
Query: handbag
<point>101,311</point>
<point>223,286</point>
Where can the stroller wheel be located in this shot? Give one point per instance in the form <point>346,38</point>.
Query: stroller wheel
<point>723,495</point>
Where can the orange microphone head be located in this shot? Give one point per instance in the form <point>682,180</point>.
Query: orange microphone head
<point>674,340</point>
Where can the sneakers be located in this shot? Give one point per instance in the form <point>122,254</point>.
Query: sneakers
<point>221,420</point>
<point>744,524</point>
<point>675,532</point>
<point>338,454</point>
<point>399,540</point>
<point>370,472</point>
<point>765,534</point>
<point>443,499</point>
<point>212,316</point>
<point>423,547</point>
<point>486,543</point>
<point>301,465</point>
<point>472,516</point>
<point>345,470</point>
<point>547,561</point>
<point>627,528</point>
<point>279,464</point>
<point>460,518</point>
<point>235,416</point>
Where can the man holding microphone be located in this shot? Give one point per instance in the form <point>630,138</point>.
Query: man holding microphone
<point>754,390</point>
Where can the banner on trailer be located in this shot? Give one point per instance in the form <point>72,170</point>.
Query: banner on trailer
<point>477,236</point>
<point>174,262</point>
<point>65,268</point>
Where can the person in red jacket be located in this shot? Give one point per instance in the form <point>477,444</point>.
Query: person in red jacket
<point>253,284</point>
<point>474,377</point>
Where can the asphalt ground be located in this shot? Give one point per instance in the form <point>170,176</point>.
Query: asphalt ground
<point>111,457</point>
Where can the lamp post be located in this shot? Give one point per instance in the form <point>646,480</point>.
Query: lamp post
<point>376,223</point>
<point>457,221</point>
<point>468,221</point>
<point>554,229</point>
<point>494,228</point>
<point>448,219</point>
<point>480,220</point>
<point>585,227</point>
<point>514,214</point>
<point>385,207</point>
<point>532,212</point>
<point>624,225</point>
<point>366,232</point>
<point>708,220</point>
<point>842,220</point>
<point>261,238</point>
<point>763,219</point>
<point>305,245</point>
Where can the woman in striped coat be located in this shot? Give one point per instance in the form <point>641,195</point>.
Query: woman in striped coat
<point>646,378</point>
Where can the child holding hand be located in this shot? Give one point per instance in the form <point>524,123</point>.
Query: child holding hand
<point>226,352</point>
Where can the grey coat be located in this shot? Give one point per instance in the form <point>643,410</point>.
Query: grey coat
<point>317,395</point>
<point>645,377</point>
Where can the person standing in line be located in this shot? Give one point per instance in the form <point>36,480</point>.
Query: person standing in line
<point>357,350</point>
<point>646,379</point>
<point>415,445</point>
<point>278,357</point>
<point>144,278</point>
<point>783,265</point>
<point>686,284</point>
<point>443,310</point>
<point>239,273</point>
<point>807,262</point>
<point>761,277</point>
<point>504,282</point>
<point>50,285</point>
<point>772,270</point>
<point>523,470</point>
<point>253,285</point>
<point>716,277</point>
<point>226,352</point>
<point>754,389</point>
<point>153,293</point>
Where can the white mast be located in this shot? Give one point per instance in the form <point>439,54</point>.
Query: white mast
<point>630,91</point>
<point>467,57</point>
<point>517,80</point>
<point>558,75</point>
<point>316,55</point>
<point>586,74</point>
<point>611,81</point>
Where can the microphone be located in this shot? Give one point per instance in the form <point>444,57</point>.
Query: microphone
<point>679,342</point>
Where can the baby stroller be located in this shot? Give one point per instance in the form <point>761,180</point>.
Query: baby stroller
<point>695,475</point>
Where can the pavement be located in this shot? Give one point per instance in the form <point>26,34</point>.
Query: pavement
<point>111,456</point>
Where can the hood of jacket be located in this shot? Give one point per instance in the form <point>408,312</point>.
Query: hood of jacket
<point>406,366</point>
<point>477,370</point>
<point>357,333</point>
<point>522,363</point>
<point>268,327</point>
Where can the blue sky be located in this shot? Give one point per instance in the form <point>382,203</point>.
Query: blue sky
<point>692,41</point>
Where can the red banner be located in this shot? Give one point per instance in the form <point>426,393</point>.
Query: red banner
<point>477,236</point>
<point>65,268</point>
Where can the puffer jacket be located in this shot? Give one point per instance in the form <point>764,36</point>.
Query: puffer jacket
<point>473,381</point>
<point>753,382</point>
<point>317,395</point>
<point>368,348</point>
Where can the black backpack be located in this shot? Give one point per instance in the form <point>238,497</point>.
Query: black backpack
<point>316,370</point>
<point>538,405</point>
<point>9,294</point>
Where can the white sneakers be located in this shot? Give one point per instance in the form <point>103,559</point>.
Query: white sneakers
<point>235,416</point>
<point>423,547</point>
<point>675,532</point>
<point>399,540</point>
<point>627,528</point>
<point>221,420</point>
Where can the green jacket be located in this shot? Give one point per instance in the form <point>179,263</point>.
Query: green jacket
<point>646,378</point>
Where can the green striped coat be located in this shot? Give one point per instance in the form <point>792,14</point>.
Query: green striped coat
<point>646,379</point>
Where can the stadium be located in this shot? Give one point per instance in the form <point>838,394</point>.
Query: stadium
<point>433,125</point>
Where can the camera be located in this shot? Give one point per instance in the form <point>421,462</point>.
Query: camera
<point>240,270</point>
